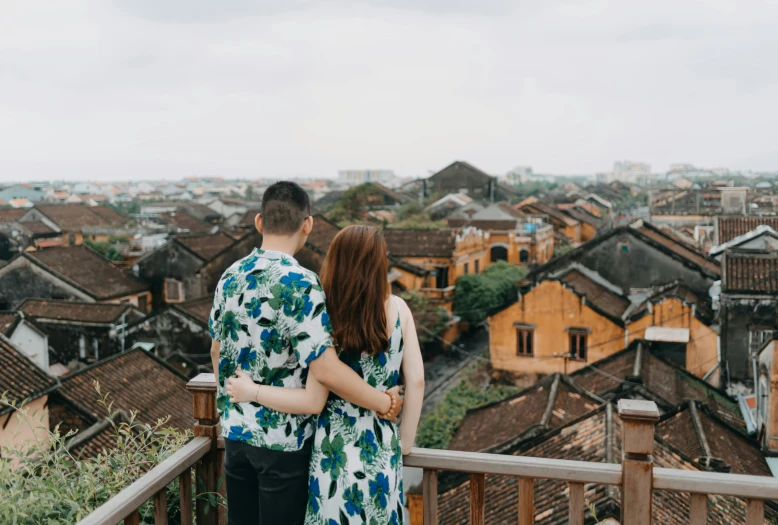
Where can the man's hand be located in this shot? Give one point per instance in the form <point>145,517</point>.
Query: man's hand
<point>242,388</point>
<point>396,406</point>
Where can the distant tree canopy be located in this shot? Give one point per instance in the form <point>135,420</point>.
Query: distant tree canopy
<point>353,205</point>
<point>107,249</point>
<point>476,294</point>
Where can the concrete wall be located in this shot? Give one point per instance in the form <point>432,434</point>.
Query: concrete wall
<point>32,343</point>
<point>21,280</point>
<point>739,315</point>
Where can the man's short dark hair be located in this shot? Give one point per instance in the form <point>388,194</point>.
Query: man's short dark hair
<point>285,206</point>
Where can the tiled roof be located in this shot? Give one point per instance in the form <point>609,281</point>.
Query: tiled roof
<point>597,295</point>
<point>683,250</point>
<point>11,214</point>
<point>496,425</point>
<point>199,308</point>
<point>73,310</point>
<point>596,438</point>
<point>7,320</point>
<point>36,227</point>
<point>668,384</point>
<point>135,381</point>
<point>420,243</point>
<point>183,220</point>
<point>100,437</point>
<point>322,234</point>
<point>750,271</point>
<point>701,436</point>
<point>730,227</point>
<point>20,378</point>
<point>582,215</point>
<point>73,217</point>
<point>90,272</point>
<point>207,246</point>
<point>109,214</point>
<point>551,211</point>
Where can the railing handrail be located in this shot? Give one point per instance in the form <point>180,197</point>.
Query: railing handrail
<point>716,483</point>
<point>144,488</point>
<point>519,466</point>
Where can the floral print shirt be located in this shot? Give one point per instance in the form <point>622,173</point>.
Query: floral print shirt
<point>270,316</point>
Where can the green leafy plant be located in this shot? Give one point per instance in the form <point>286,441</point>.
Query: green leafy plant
<point>437,428</point>
<point>430,320</point>
<point>41,481</point>
<point>106,249</point>
<point>477,294</point>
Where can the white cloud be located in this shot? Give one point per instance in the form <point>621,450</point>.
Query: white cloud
<point>140,88</point>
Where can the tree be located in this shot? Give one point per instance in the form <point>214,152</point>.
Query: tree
<point>107,249</point>
<point>475,295</point>
<point>430,320</point>
<point>353,205</point>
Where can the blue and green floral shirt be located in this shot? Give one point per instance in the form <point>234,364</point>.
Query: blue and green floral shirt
<point>269,315</point>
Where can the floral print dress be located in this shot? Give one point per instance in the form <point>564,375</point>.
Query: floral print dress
<point>356,466</point>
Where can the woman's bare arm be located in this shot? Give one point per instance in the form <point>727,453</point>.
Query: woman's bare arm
<point>413,370</point>
<point>308,400</point>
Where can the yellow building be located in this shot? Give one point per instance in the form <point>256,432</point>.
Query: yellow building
<point>575,317</point>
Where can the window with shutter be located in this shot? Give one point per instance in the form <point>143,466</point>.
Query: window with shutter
<point>174,291</point>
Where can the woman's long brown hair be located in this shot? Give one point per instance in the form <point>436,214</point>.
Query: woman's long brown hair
<point>354,278</point>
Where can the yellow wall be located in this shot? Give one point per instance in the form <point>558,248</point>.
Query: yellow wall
<point>19,430</point>
<point>573,232</point>
<point>133,300</point>
<point>701,351</point>
<point>587,231</point>
<point>552,309</point>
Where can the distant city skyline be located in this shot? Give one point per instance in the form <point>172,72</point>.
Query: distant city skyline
<point>142,89</point>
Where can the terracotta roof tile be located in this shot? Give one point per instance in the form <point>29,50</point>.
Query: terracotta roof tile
<point>730,227</point>
<point>135,381</point>
<point>498,424</point>
<point>20,378</point>
<point>322,234</point>
<point>109,214</point>
<point>681,249</point>
<point>420,243</point>
<point>36,227</point>
<point>597,295</point>
<point>73,310</point>
<point>207,246</point>
<point>7,320</point>
<point>11,214</point>
<point>183,220</point>
<point>199,308</point>
<point>73,217</point>
<point>750,271</point>
<point>94,274</point>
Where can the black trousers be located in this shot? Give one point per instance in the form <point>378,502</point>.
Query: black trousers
<point>265,487</point>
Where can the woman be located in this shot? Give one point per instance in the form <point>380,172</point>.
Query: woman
<point>356,468</point>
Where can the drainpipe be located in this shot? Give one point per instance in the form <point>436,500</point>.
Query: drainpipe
<point>756,388</point>
<point>626,337</point>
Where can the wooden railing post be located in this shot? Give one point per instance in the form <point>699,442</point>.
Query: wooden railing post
<point>207,471</point>
<point>638,419</point>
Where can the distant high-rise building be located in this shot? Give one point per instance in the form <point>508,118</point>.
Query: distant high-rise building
<point>626,171</point>
<point>356,177</point>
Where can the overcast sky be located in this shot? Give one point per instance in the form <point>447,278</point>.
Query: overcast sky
<point>151,89</point>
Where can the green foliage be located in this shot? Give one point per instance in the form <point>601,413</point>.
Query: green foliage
<point>427,315</point>
<point>106,249</point>
<point>476,294</point>
<point>437,428</point>
<point>353,205</point>
<point>560,250</point>
<point>42,482</point>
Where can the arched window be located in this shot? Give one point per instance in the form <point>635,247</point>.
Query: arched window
<point>523,256</point>
<point>498,253</point>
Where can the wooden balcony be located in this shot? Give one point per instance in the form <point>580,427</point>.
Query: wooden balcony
<point>636,476</point>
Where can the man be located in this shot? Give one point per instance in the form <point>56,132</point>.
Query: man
<point>269,319</point>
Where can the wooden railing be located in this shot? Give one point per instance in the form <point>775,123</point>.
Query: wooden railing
<point>205,452</point>
<point>636,475</point>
